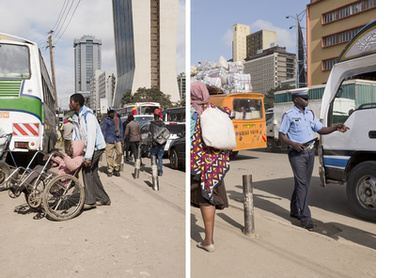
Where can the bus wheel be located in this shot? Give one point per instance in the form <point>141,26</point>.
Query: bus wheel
<point>361,190</point>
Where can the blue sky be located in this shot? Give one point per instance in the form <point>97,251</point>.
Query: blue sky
<point>212,24</point>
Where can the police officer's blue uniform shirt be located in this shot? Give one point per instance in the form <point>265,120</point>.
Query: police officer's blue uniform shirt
<point>299,127</point>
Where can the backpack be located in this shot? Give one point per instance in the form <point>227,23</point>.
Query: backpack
<point>161,135</point>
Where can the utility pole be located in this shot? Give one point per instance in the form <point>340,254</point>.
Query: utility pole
<point>53,74</point>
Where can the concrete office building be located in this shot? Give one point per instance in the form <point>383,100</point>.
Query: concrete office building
<point>145,46</point>
<point>182,85</point>
<point>246,45</point>
<point>269,68</point>
<point>330,25</point>
<point>102,86</point>
<point>258,41</point>
<point>239,50</point>
<point>87,57</point>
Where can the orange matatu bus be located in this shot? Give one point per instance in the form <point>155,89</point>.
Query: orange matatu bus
<point>249,118</point>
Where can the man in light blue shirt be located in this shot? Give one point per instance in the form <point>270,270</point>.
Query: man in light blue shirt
<point>87,129</point>
<point>297,130</point>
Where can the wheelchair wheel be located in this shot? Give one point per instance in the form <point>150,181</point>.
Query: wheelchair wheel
<point>33,197</point>
<point>63,197</point>
<point>4,173</point>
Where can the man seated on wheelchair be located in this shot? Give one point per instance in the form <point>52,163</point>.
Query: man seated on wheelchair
<point>68,163</point>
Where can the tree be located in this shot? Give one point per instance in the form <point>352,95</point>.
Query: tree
<point>126,98</point>
<point>145,94</point>
<point>269,97</point>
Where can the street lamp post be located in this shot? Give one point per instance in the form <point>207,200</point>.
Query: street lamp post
<point>298,30</point>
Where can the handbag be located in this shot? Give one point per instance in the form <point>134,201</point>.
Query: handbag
<point>217,129</point>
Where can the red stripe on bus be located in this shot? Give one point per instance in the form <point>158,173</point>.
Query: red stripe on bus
<point>31,129</point>
<point>17,127</point>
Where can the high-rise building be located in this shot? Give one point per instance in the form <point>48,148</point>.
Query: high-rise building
<point>330,25</point>
<point>258,41</point>
<point>239,50</point>
<point>87,55</point>
<point>182,85</point>
<point>269,68</point>
<point>102,86</point>
<point>145,46</point>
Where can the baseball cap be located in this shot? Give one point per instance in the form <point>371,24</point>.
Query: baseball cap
<point>157,112</point>
<point>109,109</point>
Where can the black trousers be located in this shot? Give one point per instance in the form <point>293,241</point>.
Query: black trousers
<point>128,148</point>
<point>94,190</point>
<point>302,166</point>
<point>134,145</point>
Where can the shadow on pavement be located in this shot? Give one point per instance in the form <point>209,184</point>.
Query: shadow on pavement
<point>331,199</point>
<point>195,229</point>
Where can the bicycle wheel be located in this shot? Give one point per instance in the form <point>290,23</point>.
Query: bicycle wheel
<point>63,198</point>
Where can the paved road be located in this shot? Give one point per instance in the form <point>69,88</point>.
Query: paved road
<point>341,246</point>
<point>140,235</point>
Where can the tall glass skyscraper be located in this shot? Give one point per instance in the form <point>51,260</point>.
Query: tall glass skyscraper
<point>87,52</point>
<point>145,46</point>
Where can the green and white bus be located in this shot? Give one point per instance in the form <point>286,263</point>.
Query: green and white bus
<point>27,102</point>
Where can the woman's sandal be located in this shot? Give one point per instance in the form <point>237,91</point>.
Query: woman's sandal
<point>209,248</point>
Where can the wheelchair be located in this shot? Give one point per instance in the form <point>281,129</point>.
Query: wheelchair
<point>60,196</point>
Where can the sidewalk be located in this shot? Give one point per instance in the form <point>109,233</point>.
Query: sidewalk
<point>280,247</point>
<point>141,234</point>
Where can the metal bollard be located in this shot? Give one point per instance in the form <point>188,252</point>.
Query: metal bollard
<point>154,173</point>
<point>138,163</point>
<point>248,205</point>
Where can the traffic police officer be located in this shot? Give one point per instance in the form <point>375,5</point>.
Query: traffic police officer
<point>297,130</point>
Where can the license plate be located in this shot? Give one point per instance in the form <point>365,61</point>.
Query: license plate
<point>249,126</point>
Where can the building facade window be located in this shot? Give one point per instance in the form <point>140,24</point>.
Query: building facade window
<point>341,37</point>
<point>328,63</point>
<point>342,12</point>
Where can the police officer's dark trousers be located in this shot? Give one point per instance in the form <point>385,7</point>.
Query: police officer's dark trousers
<point>302,166</point>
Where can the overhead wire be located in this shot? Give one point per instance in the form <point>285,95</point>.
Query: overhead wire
<point>60,27</point>
<point>61,14</point>
<point>43,42</point>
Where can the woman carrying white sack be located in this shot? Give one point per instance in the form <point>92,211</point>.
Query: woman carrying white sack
<point>207,185</point>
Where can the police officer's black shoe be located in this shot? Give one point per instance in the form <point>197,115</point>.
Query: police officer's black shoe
<point>309,225</point>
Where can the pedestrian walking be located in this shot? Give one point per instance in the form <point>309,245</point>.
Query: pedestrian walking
<point>208,167</point>
<point>125,142</point>
<point>132,131</point>
<point>68,129</point>
<point>112,131</point>
<point>87,129</point>
<point>297,130</point>
<point>157,149</point>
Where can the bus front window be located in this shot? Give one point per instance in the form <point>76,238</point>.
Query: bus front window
<point>14,61</point>
<point>247,109</point>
